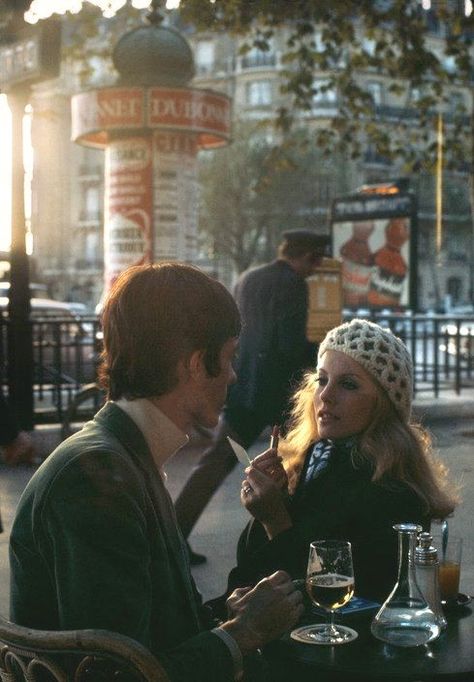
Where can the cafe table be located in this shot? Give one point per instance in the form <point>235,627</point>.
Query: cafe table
<point>448,658</point>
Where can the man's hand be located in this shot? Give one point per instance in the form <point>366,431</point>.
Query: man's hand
<point>235,598</point>
<point>263,613</point>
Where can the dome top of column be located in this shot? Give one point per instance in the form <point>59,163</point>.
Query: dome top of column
<point>153,55</point>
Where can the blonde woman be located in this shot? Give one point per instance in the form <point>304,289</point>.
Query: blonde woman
<point>355,465</point>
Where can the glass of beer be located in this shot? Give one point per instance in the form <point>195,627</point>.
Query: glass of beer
<point>330,585</point>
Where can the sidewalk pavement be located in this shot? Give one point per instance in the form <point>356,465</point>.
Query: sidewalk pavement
<point>448,405</point>
<point>449,417</point>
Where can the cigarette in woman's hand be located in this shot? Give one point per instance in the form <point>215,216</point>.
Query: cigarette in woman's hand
<point>274,437</point>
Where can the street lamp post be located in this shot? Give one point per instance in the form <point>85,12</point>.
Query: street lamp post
<point>20,339</point>
<point>26,56</point>
<point>20,342</point>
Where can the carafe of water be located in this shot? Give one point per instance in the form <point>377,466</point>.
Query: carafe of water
<point>405,619</point>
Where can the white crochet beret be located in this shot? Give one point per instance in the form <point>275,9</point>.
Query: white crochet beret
<point>381,353</point>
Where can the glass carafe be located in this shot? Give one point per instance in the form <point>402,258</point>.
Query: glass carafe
<point>405,619</point>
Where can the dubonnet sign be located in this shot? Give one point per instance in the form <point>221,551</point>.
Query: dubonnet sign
<point>201,112</point>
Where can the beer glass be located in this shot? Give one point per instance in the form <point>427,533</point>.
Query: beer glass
<point>330,585</point>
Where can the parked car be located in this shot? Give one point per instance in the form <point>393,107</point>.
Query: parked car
<point>63,344</point>
<point>78,308</point>
<point>37,290</point>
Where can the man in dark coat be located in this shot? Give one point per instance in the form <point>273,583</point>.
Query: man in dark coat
<point>273,353</point>
<point>95,542</point>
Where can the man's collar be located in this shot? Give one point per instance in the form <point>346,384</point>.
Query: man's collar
<point>161,434</point>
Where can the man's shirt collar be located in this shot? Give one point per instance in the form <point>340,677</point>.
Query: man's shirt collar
<point>161,434</point>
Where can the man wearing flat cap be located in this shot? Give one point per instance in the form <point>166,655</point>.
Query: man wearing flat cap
<point>273,352</point>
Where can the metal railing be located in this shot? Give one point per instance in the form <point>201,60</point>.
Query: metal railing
<point>442,348</point>
<point>65,355</point>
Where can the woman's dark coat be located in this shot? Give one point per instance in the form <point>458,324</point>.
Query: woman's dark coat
<point>341,503</point>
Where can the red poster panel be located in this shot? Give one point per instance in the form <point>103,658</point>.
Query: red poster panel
<point>374,237</point>
<point>375,256</point>
<point>128,203</point>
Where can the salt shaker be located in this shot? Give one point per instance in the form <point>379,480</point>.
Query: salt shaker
<point>427,575</point>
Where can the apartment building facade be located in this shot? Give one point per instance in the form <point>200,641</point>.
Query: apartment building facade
<point>67,190</point>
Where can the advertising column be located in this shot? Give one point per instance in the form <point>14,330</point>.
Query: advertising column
<point>151,137</point>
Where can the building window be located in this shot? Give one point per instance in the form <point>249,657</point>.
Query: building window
<point>92,247</point>
<point>324,93</point>
<point>325,189</point>
<point>372,156</point>
<point>456,103</point>
<point>454,289</point>
<point>92,200</point>
<point>256,58</point>
<point>204,56</point>
<point>449,64</point>
<point>91,203</point>
<point>375,90</point>
<point>368,46</point>
<point>259,93</point>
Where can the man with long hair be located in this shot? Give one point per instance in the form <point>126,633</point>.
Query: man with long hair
<point>95,543</point>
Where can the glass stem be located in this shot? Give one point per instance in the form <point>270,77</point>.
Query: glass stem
<point>331,627</point>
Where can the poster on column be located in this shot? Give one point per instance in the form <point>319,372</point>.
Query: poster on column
<point>175,195</point>
<point>128,204</point>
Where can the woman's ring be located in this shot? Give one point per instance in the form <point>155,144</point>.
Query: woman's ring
<point>246,490</point>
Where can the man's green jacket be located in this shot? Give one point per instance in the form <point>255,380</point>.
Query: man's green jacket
<point>95,544</point>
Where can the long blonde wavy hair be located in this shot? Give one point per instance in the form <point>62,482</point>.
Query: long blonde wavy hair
<point>394,449</point>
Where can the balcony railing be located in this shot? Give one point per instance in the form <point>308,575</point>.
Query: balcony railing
<point>259,60</point>
<point>222,66</point>
<point>85,264</point>
<point>90,216</point>
<point>88,170</point>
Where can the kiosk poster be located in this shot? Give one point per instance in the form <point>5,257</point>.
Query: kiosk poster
<point>374,238</point>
